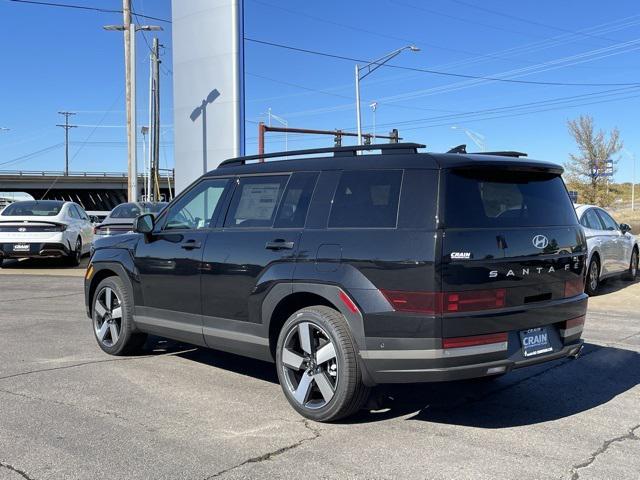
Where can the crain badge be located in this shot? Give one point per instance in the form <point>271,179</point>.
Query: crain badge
<point>460,255</point>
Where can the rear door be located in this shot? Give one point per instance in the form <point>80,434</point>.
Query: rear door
<point>253,246</point>
<point>511,239</point>
<point>614,243</point>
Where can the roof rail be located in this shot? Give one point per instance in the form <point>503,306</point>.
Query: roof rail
<point>506,153</point>
<point>350,151</point>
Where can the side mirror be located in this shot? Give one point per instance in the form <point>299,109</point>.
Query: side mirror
<point>625,227</point>
<point>143,224</point>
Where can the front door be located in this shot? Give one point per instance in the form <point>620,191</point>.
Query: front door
<point>169,263</point>
<point>613,243</point>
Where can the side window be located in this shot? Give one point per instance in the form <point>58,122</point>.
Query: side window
<point>73,213</point>
<point>255,201</point>
<point>82,213</point>
<point>366,199</point>
<point>609,223</point>
<point>591,220</point>
<point>297,197</point>
<point>197,208</point>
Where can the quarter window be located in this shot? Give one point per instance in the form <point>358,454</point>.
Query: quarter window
<point>255,201</point>
<point>590,220</point>
<point>609,223</point>
<point>366,199</point>
<point>197,209</point>
<point>292,212</point>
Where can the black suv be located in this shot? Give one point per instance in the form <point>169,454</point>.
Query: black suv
<point>352,270</point>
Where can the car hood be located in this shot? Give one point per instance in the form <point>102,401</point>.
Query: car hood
<point>118,221</point>
<point>126,240</point>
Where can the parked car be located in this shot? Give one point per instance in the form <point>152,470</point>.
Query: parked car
<point>45,228</point>
<point>120,219</point>
<point>354,270</point>
<point>97,216</point>
<point>613,250</point>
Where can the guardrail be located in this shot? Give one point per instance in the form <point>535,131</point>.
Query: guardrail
<point>44,173</point>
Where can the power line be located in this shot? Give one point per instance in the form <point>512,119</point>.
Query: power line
<point>28,156</point>
<point>84,7</point>
<point>435,72</point>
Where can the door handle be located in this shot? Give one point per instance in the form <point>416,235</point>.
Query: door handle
<point>279,244</point>
<point>191,245</point>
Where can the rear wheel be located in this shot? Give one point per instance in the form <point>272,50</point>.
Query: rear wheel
<point>632,273</point>
<point>317,365</point>
<point>593,277</point>
<point>76,255</point>
<point>113,320</point>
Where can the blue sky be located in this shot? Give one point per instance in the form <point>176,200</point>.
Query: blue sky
<point>60,59</point>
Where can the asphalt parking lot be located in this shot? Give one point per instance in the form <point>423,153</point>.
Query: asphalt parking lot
<point>178,412</point>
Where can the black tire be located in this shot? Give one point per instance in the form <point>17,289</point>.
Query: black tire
<point>75,256</point>
<point>128,340</point>
<point>349,393</point>
<point>593,277</point>
<point>632,273</point>
<point>1,262</point>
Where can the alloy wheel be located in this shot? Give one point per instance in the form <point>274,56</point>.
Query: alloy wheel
<point>634,264</point>
<point>78,252</point>
<point>107,317</point>
<point>310,365</point>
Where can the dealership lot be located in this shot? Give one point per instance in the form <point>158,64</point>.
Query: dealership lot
<point>69,411</point>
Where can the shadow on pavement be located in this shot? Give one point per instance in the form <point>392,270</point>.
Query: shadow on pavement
<point>524,397</point>
<point>42,264</point>
<point>615,284</point>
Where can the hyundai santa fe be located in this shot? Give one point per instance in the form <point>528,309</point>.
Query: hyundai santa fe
<point>350,270</point>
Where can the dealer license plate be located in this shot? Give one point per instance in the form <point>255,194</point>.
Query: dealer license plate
<point>21,247</point>
<point>535,341</point>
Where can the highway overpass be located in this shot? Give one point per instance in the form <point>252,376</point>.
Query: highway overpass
<point>92,190</point>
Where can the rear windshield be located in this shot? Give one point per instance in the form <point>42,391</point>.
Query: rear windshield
<point>45,208</point>
<point>132,210</point>
<point>480,199</point>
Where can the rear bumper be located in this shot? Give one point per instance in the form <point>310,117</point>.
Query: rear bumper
<point>36,250</point>
<point>410,358</point>
<point>388,370</point>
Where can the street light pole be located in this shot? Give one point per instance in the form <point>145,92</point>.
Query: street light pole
<point>374,107</point>
<point>370,68</point>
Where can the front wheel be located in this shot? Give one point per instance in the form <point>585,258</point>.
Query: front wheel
<point>632,273</point>
<point>317,365</point>
<point>113,319</point>
<point>593,277</point>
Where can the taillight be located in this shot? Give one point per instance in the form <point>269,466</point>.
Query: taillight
<point>473,300</point>
<point>55,228</point>
<point>573,287</point>
<point>459,342</point>
<point>447,302</point>
<point>415,302</point>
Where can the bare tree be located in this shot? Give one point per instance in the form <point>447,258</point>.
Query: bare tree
<point>584,171</point>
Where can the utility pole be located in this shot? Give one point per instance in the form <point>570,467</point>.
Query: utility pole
<point>155,125</point>
<point>130,29</point>
<point>66,127</point>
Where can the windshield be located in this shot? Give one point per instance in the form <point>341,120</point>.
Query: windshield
<point>132,210</point>
<point>482,199</point>
<point>44,208</point>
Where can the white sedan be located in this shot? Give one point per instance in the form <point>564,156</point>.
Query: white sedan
<point>613,250</point>
<point>45,228</point>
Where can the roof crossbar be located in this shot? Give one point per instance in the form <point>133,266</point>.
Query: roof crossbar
<point>349,151</point>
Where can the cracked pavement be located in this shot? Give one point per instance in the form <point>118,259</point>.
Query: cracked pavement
<point>69,411</point>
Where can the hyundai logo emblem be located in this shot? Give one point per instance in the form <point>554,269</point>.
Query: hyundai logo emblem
<point>540,241</point>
